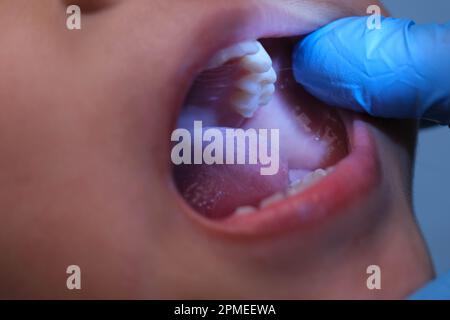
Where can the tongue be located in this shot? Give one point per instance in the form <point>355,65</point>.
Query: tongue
<point>216,191</point>
<point>309,138</point>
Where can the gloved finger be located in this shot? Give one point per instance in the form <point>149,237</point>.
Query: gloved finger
<point>399,71</point>
<point>436,290</point>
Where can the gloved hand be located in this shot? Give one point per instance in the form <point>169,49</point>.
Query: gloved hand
<point>399,71</point>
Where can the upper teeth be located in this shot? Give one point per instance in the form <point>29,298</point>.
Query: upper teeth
<point>236,51</point>
<point>256,87</point>
<point>258,62</point>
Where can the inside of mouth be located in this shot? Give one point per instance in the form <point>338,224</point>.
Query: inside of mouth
<point>311,139</point>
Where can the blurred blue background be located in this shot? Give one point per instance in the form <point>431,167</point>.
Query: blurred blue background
<point>432,173</point>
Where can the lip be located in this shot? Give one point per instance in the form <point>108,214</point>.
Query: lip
<point>354,178</point>
<point>231,23</point>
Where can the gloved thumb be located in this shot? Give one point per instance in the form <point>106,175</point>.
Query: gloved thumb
<point>399,71</point>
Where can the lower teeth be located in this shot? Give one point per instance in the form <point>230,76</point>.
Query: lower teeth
<point>241,211</point>
<point>297,187</point>
<point>277,197</point>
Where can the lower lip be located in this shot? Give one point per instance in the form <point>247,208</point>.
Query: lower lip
<point>354,179</point>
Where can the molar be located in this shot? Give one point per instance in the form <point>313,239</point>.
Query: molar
<point>255,87</point>
<point>235,51</point>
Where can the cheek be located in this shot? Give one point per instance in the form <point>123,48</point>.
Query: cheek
<point>397,141</point>
<point>84,164</point>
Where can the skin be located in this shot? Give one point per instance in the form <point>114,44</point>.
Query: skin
<point>85,178</point>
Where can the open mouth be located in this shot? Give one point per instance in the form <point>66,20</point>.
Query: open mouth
<point>324,159</point>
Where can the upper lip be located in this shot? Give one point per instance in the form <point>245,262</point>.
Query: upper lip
<point>238,21</point>
<point>355,177</point>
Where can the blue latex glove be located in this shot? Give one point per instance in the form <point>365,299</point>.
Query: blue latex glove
<point>399,71</point>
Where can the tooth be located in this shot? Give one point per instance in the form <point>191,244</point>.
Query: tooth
<point>256,88</point>
<point>246,210</point>
<point>272,199</point>
<point>268,90</point>
<point>296,175</point>
<point>245,103</point>
<point>319,173</point>
<point>265,99</point>
<point>313,177</point>
<point>250,83</point>
<point>235,51</point>
<point>296,188</point>
<point>255,82</point>
<point>258,62</point>
<point>307,181</point>
<point>269,76</point>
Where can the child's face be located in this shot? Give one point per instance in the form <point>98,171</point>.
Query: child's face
<point>85,174</point>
